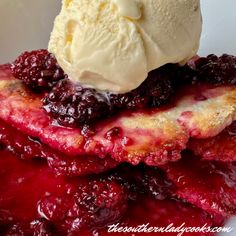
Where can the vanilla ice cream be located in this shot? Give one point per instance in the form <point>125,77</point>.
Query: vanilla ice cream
<point>111,45</point>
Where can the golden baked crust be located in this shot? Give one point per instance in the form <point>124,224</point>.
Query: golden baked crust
<point>154,137</point>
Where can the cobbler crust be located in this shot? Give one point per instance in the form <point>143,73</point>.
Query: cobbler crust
<point>154,137</point>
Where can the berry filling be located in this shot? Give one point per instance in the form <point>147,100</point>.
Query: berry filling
<point>35,202</point>
<point>94,203</point>
<point>78,106</point>
<point>217,70</point>
<point>73,105</point>
<point>22,186</point>
<point>161,213</point>
<point>64,204</point>
<point>209,185</point>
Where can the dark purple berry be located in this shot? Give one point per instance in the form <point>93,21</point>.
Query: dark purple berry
<point>153,92</point>
<point>37,69</point>
<point>73,105</point>
<point>217,70</point>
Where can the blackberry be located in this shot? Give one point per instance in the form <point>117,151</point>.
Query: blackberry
<point>159,87</point>
<point>94,203</point>
<point>217,70</point>
<point>145,180</point>
<point>73,105</point>
<point>37,69</point>
<point>153,92</point>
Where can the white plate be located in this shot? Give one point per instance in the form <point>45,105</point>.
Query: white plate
<point>26,25</point>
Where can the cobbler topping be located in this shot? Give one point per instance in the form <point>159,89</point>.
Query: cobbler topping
<point>154,136</point>
<point>37,69</point>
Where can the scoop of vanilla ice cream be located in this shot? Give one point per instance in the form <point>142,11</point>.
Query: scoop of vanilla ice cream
<point>111,45</point>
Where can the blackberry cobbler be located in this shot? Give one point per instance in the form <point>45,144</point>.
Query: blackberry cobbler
<point>118,128</point>
<point>87,159</point>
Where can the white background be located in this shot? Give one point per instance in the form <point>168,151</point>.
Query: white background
<point>26,25</point>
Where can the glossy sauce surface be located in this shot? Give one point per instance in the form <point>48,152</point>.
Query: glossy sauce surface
<point>24,185</point>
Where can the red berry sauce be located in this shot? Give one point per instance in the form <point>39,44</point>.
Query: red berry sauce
<point>22,186</point>
<point>209,185</point>
<point>36,202</point>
